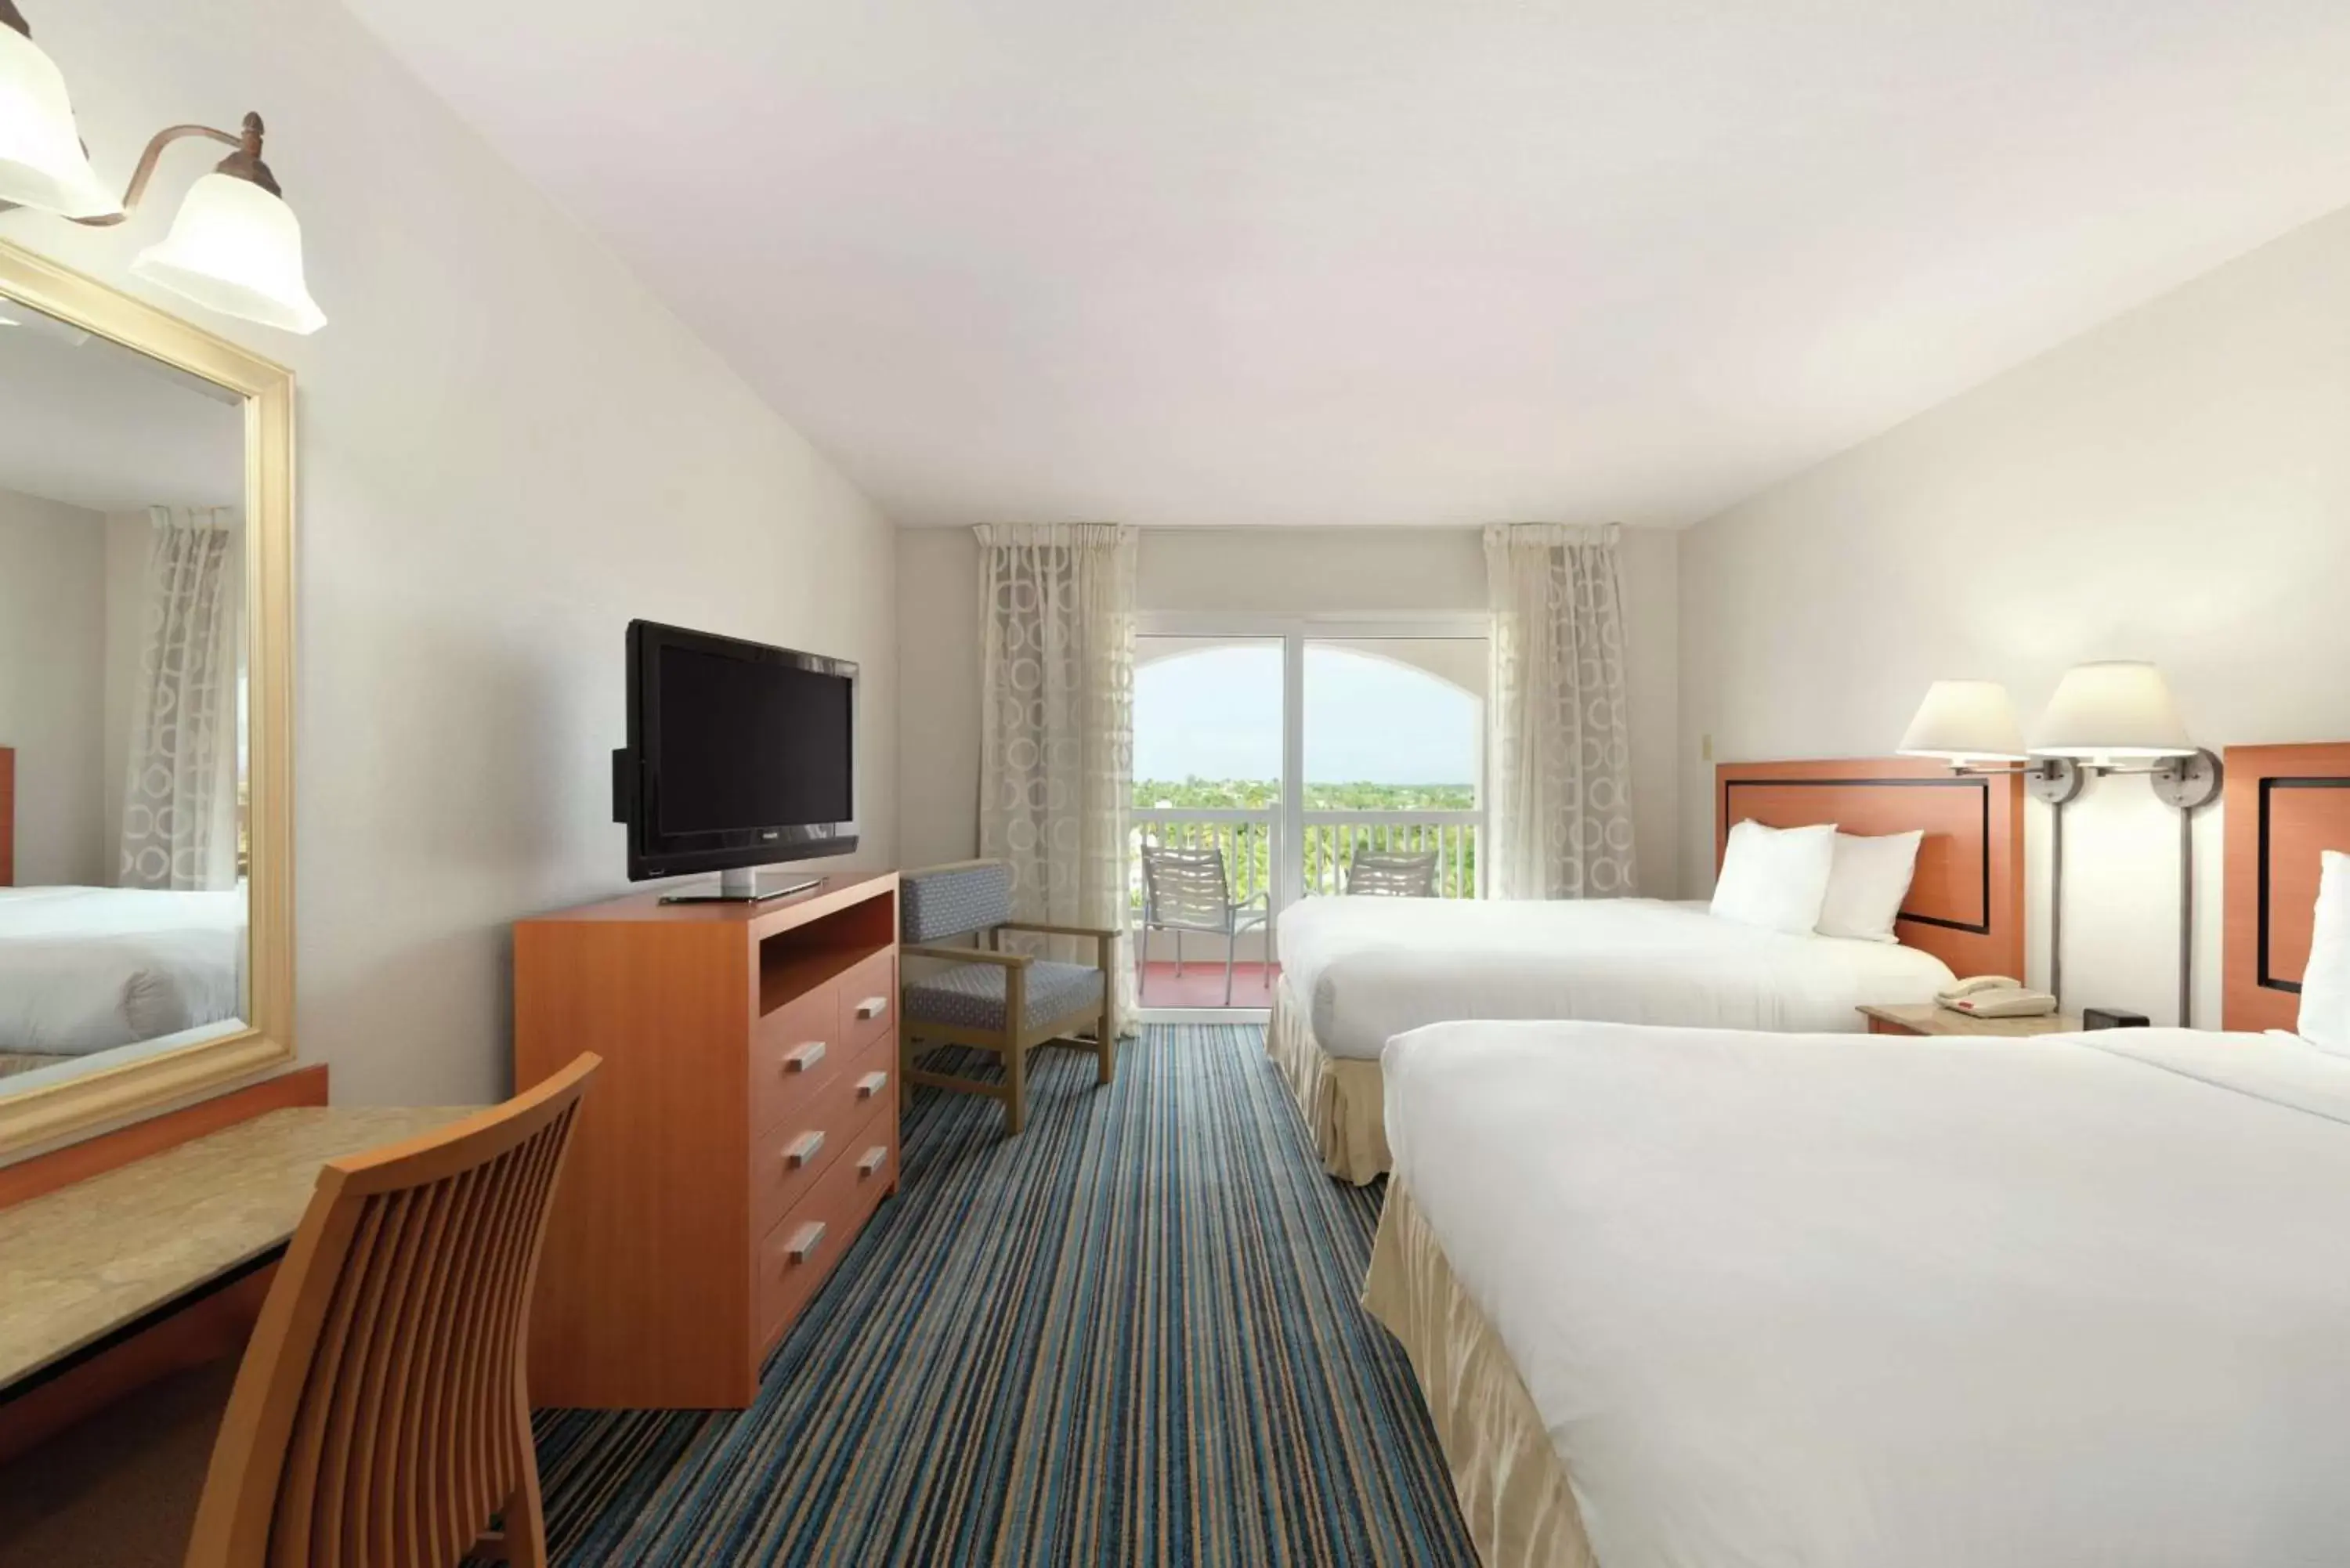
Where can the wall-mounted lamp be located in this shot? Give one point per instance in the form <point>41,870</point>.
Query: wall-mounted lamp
<point>235,246</point>
<point>2116,716</point>
<point>1970,724</point>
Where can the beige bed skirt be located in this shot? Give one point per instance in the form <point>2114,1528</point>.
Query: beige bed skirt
<point>15,1062</point>
<point>1344,1102</point>
<point>1511,1486</point>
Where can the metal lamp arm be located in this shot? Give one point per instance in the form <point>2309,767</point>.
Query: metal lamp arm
<point>143,175</point>
<point>244,163</point>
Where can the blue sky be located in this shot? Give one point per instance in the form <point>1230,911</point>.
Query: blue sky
<point>1217,714</point>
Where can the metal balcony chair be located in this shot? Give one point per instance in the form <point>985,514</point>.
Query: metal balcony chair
<point>1393,876</point>
<point>1187,890</point>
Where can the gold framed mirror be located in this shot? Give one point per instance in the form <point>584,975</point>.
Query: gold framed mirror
<point>146,708</point>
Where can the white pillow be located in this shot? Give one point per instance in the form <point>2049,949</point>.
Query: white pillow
<point>2325,984</point>
<point>1869,878</point>
<point>1775,878</point>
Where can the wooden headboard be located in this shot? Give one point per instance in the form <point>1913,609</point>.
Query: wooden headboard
<point>7,817</point>
<point>1966,901</point>
<point>2285,804</point>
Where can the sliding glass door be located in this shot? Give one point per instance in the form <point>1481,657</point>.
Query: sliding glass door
<point>1298,759</point>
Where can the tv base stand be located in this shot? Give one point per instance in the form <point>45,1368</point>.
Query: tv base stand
<point>743,887</point>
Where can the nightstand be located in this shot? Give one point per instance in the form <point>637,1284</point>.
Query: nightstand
<point>1925,1018</point>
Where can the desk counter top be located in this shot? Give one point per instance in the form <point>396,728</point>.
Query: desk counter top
<point>96,1257</point>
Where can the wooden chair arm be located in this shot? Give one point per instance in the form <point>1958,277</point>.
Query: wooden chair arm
<point>1040,927</point>
<point>967,955</point>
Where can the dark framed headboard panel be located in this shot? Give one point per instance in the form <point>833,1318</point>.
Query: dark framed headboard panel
<point>2286,805</point>
<point>1966,901</point>
<point>7,817</point>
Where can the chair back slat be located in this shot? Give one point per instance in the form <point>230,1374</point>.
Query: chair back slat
<point>380,1414</point>
<point>1393,876</point>
<point>1186,889</point>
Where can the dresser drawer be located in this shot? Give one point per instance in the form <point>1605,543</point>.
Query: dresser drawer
<point>799,1252</point>
<point>796,1052</point>
<point>869,1000</point>
<point>792,1155</point>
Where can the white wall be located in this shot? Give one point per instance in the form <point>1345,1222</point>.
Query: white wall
<point>1268,571</point>
<point>2174,486</point>
<point>52,684</point>
<point>508,449</point>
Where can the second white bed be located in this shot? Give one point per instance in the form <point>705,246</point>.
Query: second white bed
<point>1358,972</point>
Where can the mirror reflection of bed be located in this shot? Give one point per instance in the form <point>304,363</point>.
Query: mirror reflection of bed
<point>123,653</point>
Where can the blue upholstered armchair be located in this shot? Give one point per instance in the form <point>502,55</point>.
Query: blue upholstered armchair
<point>991,1000</point>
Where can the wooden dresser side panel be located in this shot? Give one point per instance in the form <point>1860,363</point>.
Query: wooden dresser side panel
<point>643,1291</point>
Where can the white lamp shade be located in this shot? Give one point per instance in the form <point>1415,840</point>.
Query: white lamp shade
<point>1965,720</point>
<point>237,249</point>
<point>2115,709</point>
<point>41,161</point>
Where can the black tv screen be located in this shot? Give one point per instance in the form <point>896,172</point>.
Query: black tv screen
<point>739,754</point>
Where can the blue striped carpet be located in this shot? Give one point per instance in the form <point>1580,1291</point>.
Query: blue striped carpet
<point>1129,1335</point>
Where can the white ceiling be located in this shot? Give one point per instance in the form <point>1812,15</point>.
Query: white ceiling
<point>1389,261</point>
<point>93,424</point>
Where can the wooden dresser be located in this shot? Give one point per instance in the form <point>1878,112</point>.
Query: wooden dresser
<point>744,1129</point>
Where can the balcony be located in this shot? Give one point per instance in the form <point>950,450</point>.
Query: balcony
<point>1289,751</point>
<point>1248,839</point>
<point>1330,841</point>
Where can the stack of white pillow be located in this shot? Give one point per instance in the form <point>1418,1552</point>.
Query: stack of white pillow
<point>1817,880</point>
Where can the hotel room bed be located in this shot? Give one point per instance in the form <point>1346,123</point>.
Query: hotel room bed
<point>1356,972</point>
<point>84,970</point>
<point>1689,1296</point>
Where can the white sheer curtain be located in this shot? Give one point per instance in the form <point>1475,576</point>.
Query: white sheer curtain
<point>1057,743</point>
<point>1559,764</point>
<point>179,813</point>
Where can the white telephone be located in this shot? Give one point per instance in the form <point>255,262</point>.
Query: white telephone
<point>1996,996</point>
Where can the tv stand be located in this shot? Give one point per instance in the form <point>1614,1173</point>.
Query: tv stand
<point>742,1132</point>
<point>741,886</point>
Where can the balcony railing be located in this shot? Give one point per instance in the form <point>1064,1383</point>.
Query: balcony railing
<point>1248,839</point>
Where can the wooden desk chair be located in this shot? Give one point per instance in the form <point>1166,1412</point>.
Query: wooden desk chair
<point>380,1414</point>
<point>1008,1003</point>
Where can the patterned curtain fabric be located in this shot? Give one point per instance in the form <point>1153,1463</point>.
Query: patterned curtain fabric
<point>1056,746</point>
<point>178,814</point>
<point>1559,758</point>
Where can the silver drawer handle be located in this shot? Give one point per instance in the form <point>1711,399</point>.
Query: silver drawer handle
<point>804,1243</point>
<point>872,1007</point>
<point>805,1056</point>
<point>804,1148</point>
<point>875,1159</point>
<point>871,1084</point>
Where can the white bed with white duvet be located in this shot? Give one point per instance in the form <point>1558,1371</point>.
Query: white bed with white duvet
<point>1693,1297</point>
<point>1370,969</point>
<point>84,969</point>
<point>1357,971</point>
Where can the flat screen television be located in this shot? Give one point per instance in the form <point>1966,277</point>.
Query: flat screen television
<point>739,754</point>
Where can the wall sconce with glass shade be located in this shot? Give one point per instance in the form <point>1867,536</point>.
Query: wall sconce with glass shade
<point>235,246</point>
